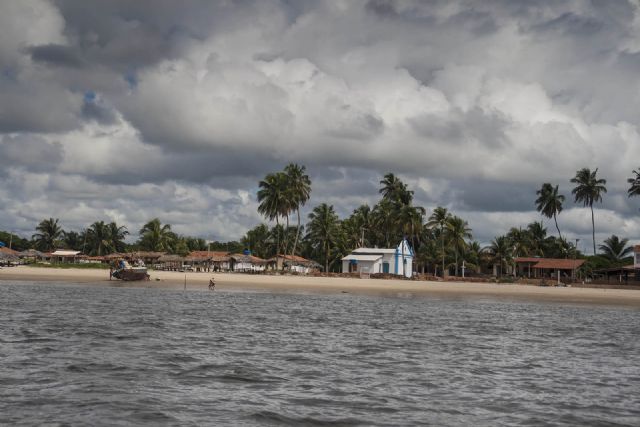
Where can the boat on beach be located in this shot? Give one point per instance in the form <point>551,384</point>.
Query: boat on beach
<point>125,271</point>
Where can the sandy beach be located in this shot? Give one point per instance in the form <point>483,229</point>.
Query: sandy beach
<point>305,284</point>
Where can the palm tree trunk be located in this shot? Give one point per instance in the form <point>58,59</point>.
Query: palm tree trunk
<point>277,241</point>
<point>404,271</point>
<point>326,259</point>
<point>557,228</point>
<point>593,230</point>
<point>456,251</point>
<point>442,240</point>
<point>295,242</point>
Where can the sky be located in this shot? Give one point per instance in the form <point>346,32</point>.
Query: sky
<point>126,111</point>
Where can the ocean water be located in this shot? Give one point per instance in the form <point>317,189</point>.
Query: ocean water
<point>82,355</point>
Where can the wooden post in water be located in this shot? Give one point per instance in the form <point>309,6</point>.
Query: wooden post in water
<point>185,282</point>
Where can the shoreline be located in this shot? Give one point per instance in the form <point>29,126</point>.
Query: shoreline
<point>330,285</point>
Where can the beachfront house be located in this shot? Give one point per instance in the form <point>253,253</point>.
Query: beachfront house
<point>65,256</point>
<point>247,263</point>
<point>539,268</point>
<point>397,261</point>
<point>293,263</point>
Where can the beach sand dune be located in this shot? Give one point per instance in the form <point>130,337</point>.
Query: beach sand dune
<point>333,285</point>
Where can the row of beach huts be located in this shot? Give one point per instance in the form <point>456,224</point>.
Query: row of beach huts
<point>199,261</point>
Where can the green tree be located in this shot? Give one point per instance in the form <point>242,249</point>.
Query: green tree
<point>73,240</point>
<point>457,231</point>
<point>116,235</point>
<point>439,218</point>
<point>272,199</point>
<point>98,238</point>
<point>257,241</point>
<point>615,249</point>
<point>589,189</point>
<point>49,234</point>
<point>501,253</point>
<point>634,188</point>
<point>394,190</point>
<point>537,236</point>
<point>323,230</point>
<point>155,236</point>
<point>549,203</point>
<point>298,193</point>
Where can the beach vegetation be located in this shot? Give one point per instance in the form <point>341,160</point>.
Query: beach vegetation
<point>549,203</point>
<point>439,218</point>
<point>323,232</point>
<point>634,184</point>
<point>298,193</point>
<point>615,249</point>
<point>155,236</point>
<point>49,233</point>
<point>589,189</point>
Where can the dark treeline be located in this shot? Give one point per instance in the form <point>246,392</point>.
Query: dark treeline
<point>441,240</point>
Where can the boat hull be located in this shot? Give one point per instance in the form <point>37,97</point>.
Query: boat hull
<point>131,274</point>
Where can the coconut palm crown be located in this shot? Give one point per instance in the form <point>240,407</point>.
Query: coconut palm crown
<point>549,203</point>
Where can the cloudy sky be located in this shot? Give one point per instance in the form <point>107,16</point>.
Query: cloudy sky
<point>129,110</point>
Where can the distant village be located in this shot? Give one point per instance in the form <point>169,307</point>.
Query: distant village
<point>394,238</point>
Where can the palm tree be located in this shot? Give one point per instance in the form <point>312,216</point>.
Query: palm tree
<point>298,193</point>
<point>634,189</point>
<point>537,236</point>
<point>501,251</point>
<point>615,248</point>
<point>409,221</point>
<point>394,190</point>
<point>457,230</point>
<point>440,217</point>
<point>323,230</point>
<point>272,197</point>
<point>549,202</point>
<point>154,236</point>
<point>116,235</point>
<point>383,216</point>
<point>589,190</point>
<point>72,240</point>
<point>49,234</point>
<point>98,238</point>
<point>257,240</point>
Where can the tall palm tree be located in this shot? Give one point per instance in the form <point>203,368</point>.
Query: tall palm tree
<point>298,193</point>
<point>273,200</point>
<point>323,230</point>
<point>440,217</point>
<point>49,232</point>
<point>409,222</point>
<point>589,189</point>
<point>457,230</point>
<point>384,221</point>
<point>615,248</point>
<point>154,236</point>
<point>634,189</point>
<point>549,203</point>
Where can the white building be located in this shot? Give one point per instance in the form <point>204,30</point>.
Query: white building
<point>376,260</point>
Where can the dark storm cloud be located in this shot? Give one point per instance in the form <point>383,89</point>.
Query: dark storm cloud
<point>54,54</point>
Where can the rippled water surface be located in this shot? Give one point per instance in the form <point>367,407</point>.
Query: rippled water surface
<point>73,355</point>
